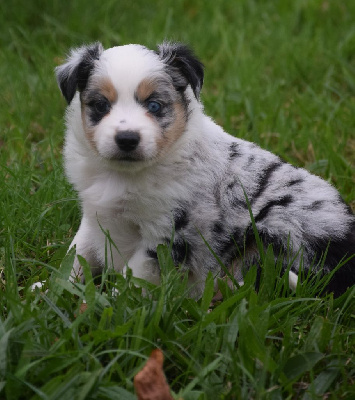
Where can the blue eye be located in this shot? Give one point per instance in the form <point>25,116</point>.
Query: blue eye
<point>154,107</point>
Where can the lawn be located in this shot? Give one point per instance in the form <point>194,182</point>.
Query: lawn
<point>279,73</point>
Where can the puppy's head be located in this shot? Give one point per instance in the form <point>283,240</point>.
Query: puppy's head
<point>134,101</point>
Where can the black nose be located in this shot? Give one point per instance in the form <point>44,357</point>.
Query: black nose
<point>127,140</point>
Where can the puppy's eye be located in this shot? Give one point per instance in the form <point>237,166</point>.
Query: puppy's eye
<point>154,107</point>
<point>102,106</point>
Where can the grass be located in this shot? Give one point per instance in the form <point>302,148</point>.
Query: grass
<point>280,73</point>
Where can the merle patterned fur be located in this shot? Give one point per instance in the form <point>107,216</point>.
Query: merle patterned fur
<point>202,189</point>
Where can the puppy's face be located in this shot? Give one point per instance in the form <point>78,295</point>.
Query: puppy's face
<point>130,109</point>
<point>133,100</point>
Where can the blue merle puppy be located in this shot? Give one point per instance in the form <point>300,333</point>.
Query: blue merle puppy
<point>149,166</point>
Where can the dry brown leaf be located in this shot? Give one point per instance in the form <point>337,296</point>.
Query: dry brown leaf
<point>83,308</point>
<point>150,383</point>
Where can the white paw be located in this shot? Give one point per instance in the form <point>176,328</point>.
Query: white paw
<point>38,285</point>
<point>292,280</point>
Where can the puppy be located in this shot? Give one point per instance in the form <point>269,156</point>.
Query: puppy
<point>150,167</point>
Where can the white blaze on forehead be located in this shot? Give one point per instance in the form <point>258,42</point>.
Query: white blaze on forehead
<point>128,65</point>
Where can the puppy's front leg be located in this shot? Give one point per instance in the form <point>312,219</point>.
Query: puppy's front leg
<point>85,248</point>
<point>144,267</point>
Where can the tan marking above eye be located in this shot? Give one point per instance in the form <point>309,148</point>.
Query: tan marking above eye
<point>108,90</point>
<point>145,89</point>
<point>105,87</point>
<point>153,84</point>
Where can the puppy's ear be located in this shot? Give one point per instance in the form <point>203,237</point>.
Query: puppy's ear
<point>74,73</point>
<point>183,66</point>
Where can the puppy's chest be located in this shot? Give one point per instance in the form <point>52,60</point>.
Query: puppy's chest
<point>144,204</point>
<point>141,206</point>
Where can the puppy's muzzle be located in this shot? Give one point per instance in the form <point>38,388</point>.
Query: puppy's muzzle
<point>127,141</point>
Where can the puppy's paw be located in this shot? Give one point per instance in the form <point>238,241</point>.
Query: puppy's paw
<point>38,285</point>
<point>292,280</point>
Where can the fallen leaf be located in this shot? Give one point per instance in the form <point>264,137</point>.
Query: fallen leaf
<point>150,383</point>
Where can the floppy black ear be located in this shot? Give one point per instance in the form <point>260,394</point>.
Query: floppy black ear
<point>184,66</point>
<point>74,73</point>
